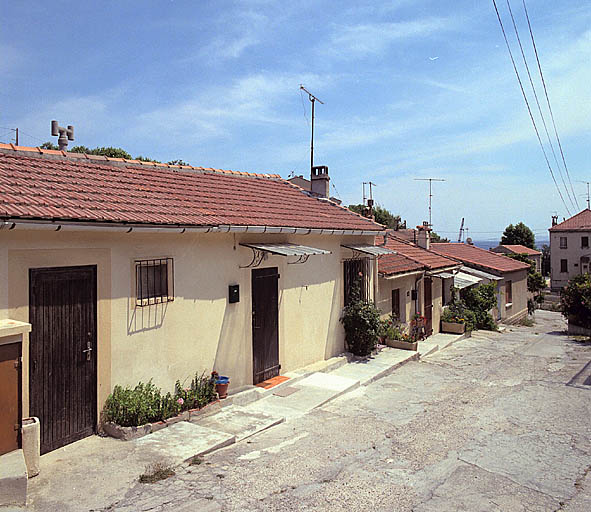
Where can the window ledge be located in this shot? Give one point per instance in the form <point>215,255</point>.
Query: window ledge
<point>508,305</point>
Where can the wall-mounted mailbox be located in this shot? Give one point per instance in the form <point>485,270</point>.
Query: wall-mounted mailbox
<point>233,293</point>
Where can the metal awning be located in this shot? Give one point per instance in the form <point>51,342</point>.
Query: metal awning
<point>372,250</point>
<point>302,252</point>
<point>463,280</point>
<point>480,273</point>
<point>443,275</point>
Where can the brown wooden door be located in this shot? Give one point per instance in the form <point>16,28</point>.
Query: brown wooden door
<point>265,324</point>
<point>10,397</point>
<point>428,301</point>
<point>63,353</point>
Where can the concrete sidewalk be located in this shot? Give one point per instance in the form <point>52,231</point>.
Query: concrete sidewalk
<point>95,471</point>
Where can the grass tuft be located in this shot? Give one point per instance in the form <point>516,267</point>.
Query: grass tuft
<point>156,472</point>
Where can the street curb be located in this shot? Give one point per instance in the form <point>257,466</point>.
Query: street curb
<point>391,369</point>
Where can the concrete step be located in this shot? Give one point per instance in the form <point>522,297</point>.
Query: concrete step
<point>181,441</point>
<point>311,392</point>
<point>240,422</point>
<point>13,479</point>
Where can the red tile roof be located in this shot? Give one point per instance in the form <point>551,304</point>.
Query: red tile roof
<point>54,185</point>
<point>472,255</point>
<point>427,259</point>
<point>519,249</point>
<point>579,222</point>
<point>391,264</point>
<point>410,235</point>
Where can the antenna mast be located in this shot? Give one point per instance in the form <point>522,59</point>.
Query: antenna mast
<point>588,202</point>
<point>430,180</point>
<point>313,99</point>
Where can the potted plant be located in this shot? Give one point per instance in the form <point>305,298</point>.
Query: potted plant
<point>393,334</point>
<point>452,322</point>
<point>221,384</point>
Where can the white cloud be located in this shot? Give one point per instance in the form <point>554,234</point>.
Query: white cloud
<point>357,41</point>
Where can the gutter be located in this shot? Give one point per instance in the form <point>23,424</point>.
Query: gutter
<point>403,274</point>
<point>143,228</point>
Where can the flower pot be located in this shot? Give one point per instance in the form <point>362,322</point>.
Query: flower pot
<point>453,327</point>
<point>221,386</point>
<point>404,345</point>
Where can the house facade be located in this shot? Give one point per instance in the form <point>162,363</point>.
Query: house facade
<point>414,279</point>
<point>532,254</point>
<point>130,271</point>
<point>570,250</point>
<point>511,288</point>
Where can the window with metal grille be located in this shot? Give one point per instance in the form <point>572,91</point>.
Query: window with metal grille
<point>154,281</point>
<point>357,274</point>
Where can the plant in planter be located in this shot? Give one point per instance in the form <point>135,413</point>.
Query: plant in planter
<point>393,334</point>
<point>361,321</point>
<point>452,322</point>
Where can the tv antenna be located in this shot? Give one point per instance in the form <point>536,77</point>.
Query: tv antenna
<point>313,99</point>
<point>368,201</point>
<point>430,180</point>
<point>588,207</point>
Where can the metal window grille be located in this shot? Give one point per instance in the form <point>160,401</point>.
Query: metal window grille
<point>154,281</point>
<point>357,271</point>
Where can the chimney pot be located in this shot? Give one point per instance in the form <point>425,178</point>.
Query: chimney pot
<point>320,181</point>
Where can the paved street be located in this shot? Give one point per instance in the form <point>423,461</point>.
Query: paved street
<point>488,424</point>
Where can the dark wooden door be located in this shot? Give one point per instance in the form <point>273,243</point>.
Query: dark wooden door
<point>63,353</point>
<point>265,324</point>
<point>10,397</point>
<point>428,301</point>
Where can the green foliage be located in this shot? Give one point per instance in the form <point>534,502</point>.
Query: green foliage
<point>452,316</point>
<point>457,309</point>
<point>381,215</point>
<point>519,234</point>
<point>109,152</point>
<point>49,145</point>
<point>361,321</point>
<point>546,260</point>
<point>391,328</point>
<point>536,283</point>
<point>480,300</point>
<point>155,472</point>
<point>146,159</point>
<point>575,300</point>
<point>146,404</point>
<point>177,162</point>
<point>435,238</point>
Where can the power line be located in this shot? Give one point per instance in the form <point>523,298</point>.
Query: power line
<point>548,98</point>
<point>528,106</point>
<point>538,104</point>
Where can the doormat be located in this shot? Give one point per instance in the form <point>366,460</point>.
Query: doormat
<point>286,391</point>
<point>269,383</point>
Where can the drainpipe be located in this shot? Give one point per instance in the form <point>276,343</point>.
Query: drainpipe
<point>417,281</point>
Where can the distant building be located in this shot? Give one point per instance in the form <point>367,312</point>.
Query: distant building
<point>570,252</point>
<point>532,254</point>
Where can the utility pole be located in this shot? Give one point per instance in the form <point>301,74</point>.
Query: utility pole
<point>15,130</point>
<point>588,202</point>
<point>313,99</point>
<point>430,180</point>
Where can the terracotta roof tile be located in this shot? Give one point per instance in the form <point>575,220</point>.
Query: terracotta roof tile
<point>57,187</point>
<point>579,222</point>
<point>427,259</point>
<point>391,264</point>
<point>519,249</point>
<point>471,254</point>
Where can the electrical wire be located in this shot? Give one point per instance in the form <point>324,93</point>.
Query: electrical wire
<point>539,106</point>
<point>528,106</point>
<point>547,97</point>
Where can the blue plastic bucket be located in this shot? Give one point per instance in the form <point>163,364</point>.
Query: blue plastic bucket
<point>222,380</point>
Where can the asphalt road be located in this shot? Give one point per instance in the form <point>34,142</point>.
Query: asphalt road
<point>493,423</point>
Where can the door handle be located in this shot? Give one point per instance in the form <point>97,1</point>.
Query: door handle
<point>88,350</point>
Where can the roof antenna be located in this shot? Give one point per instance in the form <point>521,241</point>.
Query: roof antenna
<point>65,134</point>
<point>313,99</point>
<point>430,180</point>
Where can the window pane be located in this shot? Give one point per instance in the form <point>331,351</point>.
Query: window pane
<point>152,281</point>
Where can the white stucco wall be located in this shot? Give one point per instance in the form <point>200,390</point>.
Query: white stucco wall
<point>200,330</point>
<point>572,254</point>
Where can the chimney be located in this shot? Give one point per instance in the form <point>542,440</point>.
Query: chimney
<point>554,220</point>
<point>320,181</point>
<point>424,236</point>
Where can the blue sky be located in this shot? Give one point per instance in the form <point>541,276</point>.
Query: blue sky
<point>412,89</point>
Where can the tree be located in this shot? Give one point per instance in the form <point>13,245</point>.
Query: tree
<point>381,215</point>
<point>109,152</point>
<point>519,234</point>
<point>575,300</point>
<point>436,238</point>
<point>480,300</point>
<point>48,145</point>
<point>546,260</point>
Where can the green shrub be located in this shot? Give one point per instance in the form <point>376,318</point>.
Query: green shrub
<point>480,300</point>
<point>198,394</point>
<point>575,300</point>
<point>361,321</point>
